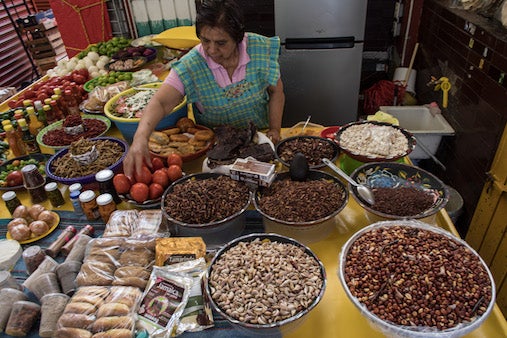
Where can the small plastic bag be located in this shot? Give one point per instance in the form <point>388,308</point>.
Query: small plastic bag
<point>163,302</point>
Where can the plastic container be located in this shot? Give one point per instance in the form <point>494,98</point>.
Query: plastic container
<point>400,75</point>
<point>67,272</point>
<point>33,257</point>
<point>426,127</point>
<point>23,316</point>
<point>44,284</point>
<point>52,307</point>
<point>7,297</point>
<point>47,265</point>
<point>7,281</point>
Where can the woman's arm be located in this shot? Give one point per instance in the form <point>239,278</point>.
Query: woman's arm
<point>161,104</point>
<point>276,103</point>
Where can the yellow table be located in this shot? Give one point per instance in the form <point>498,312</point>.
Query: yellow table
<point>335,315</point>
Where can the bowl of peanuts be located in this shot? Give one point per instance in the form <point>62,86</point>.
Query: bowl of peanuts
<point>282,295</point>
<point>411,279</point>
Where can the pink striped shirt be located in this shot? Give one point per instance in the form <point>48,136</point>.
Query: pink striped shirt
<point>219,72</point>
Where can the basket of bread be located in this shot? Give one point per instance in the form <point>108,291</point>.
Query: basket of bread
<point>186,139</point>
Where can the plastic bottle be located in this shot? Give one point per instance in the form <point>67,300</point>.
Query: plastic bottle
<point>41,114</point>
<point>31,145</point>
<point>64,237</point>
<point>35,125</point>
<point>74,199</point>
<point>50,115</point>
<point>15,143</point>
<point>57,111</point>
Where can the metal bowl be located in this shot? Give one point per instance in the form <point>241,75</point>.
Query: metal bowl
<point>214,234</point>
<point>392,175</point>
<point>294,139</point>
<point>391,329</point>
<point>305,232</point>
<point>363,157</point>
<point>276,328</point>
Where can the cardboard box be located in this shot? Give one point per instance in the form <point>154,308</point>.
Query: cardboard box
<point>252,171</point>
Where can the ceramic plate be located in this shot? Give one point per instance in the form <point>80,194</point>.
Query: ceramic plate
<point>36,238</point>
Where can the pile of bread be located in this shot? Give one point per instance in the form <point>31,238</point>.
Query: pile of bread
<point>100,312</point>
<point>184,139</point>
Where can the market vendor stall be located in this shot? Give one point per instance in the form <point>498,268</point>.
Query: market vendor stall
<point>334,316</point>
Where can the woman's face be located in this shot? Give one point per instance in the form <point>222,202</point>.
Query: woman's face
<point>218,44</point>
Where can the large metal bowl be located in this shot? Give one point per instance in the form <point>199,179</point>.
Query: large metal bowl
<point>393,175</point>
<point>275,328</point>
<point>390,328</point>
<point>214,234</point>
<point>305,232</point>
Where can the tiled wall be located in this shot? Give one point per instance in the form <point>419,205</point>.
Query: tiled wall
<point>472,52</point>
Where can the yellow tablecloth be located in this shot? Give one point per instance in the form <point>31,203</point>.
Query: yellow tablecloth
<point>335,315</point>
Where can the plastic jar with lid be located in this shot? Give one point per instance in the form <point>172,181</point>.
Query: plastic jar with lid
<point>54,194</point>
<point>23,316</point>
<point>75,187</point>
<point>11,201</point>
<point>106,206</point>
<point>105,179</point>
<point>89,205</point>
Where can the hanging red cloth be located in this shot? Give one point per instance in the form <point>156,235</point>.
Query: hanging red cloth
<point>81,23</point>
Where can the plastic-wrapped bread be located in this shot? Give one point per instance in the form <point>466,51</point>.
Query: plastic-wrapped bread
<point>113,322</point>
<point>120,223</point>
<point>113,309</point>
<point>114,333</point>
<point>148,224</point>
<point>66,332</point>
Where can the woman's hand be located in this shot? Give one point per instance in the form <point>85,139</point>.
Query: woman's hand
<point>274,135</point>
<point>137,155</point>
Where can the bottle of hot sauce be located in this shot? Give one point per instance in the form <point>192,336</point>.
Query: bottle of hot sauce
<point>35,125</point>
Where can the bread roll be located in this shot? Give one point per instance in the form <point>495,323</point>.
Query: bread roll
<point>100,291</point>
<point>113,322</point>
<point>127,295</point>
<point>184,123</point>
<point>69,332</point>
<point>76,320</point>
<point>113,309</point>
<point>172,131</point>
<point>84,298</point>
<point>131,281</point>
<point>114,333</point>
<point>80,307</point>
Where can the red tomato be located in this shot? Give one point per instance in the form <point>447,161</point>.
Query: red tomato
<point>156,163</point>
<point>12,104</point>
<point>121,183</point>
<point>29,94</point>
<point>156,191</point>
<point>139,192</point>
<point>160,177</point>
<point>174,172</point>
<point>174,159</point>
<point>144,176</point>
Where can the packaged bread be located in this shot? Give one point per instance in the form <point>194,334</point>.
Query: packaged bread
<point>66,332</point>
<point>114,333</point>
<point>172,250</point>
<point>148,223</point>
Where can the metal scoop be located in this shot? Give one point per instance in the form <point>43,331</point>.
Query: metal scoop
<point>362,190</point>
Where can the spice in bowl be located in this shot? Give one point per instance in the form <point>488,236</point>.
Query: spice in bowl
<point>73,128</point>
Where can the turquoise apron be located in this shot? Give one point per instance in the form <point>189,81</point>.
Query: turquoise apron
<point>240,102</point>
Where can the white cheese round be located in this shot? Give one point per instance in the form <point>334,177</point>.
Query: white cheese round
<point>10,252</point>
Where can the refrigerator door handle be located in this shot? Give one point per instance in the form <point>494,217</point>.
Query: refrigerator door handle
<point>320,43</point>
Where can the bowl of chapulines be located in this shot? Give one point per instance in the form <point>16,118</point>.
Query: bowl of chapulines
<point>401,191</point>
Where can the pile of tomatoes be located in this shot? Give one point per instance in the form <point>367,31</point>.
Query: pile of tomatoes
<point>44,89</point>
<point>151,183</point>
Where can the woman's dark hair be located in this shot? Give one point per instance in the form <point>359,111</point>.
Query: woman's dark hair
<point>224,14</point>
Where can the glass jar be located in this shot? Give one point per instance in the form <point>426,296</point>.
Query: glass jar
<point>74,199</point>
<point>105,179</point>
<point>54,194</point>
<point>11,201</point>
<point>89,205</point>
<point>106,206</point>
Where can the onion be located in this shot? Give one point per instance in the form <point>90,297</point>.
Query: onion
<point>35,210</point>
<point>20,211</point>
<point>39,227</point>
<point>15,222</point>
<point>20,232</point>
<point>48,217</point>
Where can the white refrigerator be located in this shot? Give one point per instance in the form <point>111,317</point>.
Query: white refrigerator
<point>321,56</point>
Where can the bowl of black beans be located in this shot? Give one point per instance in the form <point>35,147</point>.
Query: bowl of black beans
<point>401,191</point>
<point>304,210</point>
<point>314,148</point>
<point>207,205</point>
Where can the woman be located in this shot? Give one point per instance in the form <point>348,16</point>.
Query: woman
<point>233,78</point>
